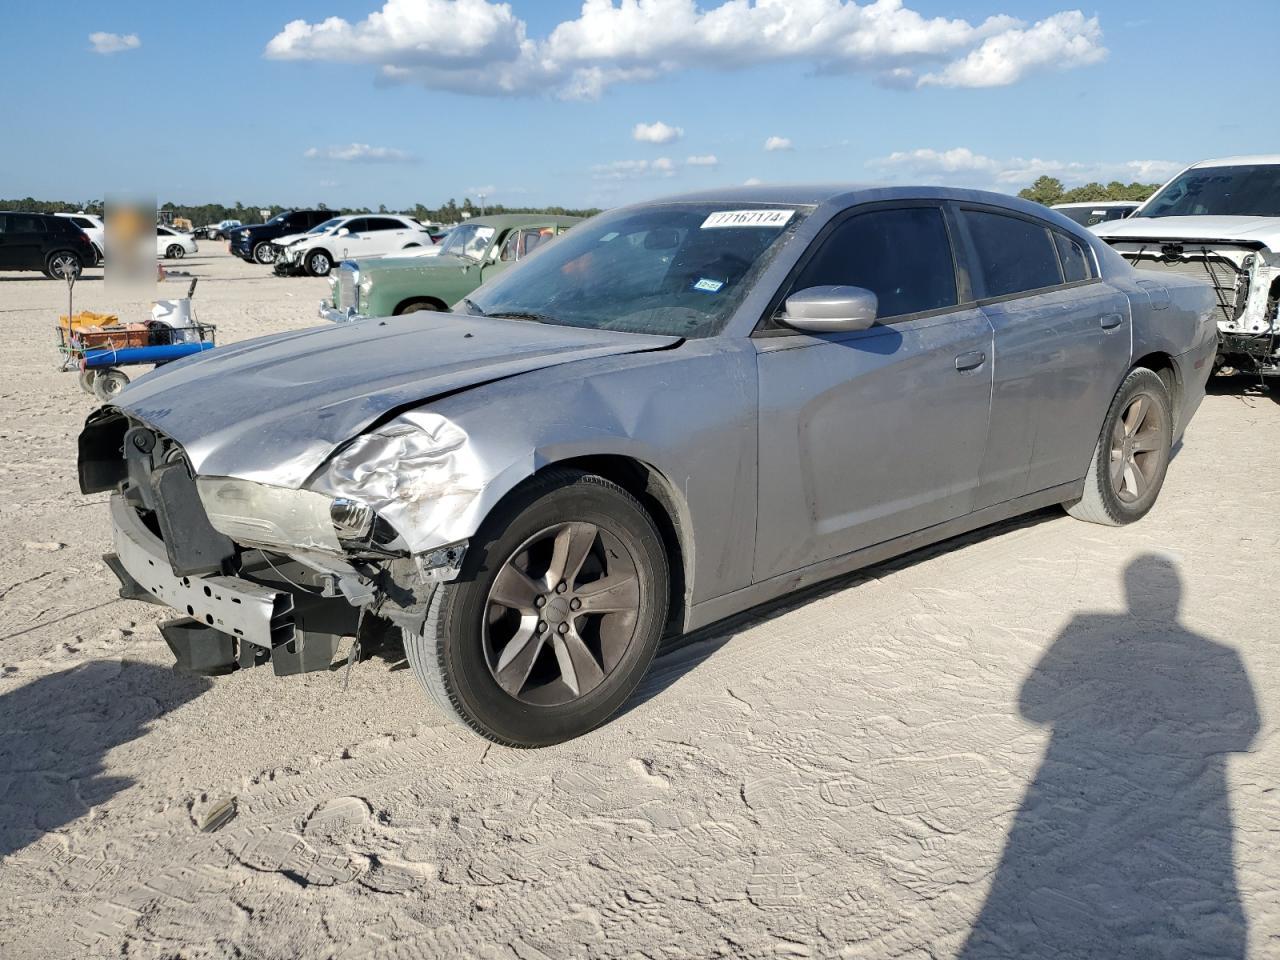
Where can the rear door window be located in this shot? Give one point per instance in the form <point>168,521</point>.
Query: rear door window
<point>1074,260</point>
<point>384,223</point>
<point>903,256</point>
<point>1014,255</point>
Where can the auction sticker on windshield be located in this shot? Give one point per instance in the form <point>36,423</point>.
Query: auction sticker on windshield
<point>747,218</point>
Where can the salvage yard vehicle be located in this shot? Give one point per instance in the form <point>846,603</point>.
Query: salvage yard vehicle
<point>174,245</point>
<point>679,410</point>
<point>1219,221</point>
<point>255,243</point>
<point>472,254</point>
<point>1097,211</point>
<point>360,236</point>
<point>93,228</point>
<point>40,241</point>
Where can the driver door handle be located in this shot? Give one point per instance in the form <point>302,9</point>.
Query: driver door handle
<point>970,361</point>
<point>1110,321</point>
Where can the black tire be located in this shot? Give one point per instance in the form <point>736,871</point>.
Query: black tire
<point>86,380</point>
<point>108,383</point>
<point>175,252</point>
<point>418,306</point>
<point>1124,481</point>
<point>319,263</point>
<point>452,657</point>
<point>61,262</point>
<point>264,253</point>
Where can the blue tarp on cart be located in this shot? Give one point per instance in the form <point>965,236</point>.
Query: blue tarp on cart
<point>95,359</point>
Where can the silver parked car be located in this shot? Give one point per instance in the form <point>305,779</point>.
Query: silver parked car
<point>678,411</point>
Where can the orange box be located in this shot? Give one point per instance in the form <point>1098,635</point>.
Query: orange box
<point>117,338</point>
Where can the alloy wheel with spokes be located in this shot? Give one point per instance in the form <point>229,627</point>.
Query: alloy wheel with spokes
<point>555,617</point>
<point>64,265</point>
<point>561,613</point>
<point>1137,442</point>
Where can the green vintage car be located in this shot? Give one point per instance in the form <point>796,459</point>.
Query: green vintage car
<point>475,251</point>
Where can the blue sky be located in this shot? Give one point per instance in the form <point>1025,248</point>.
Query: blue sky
<point>196,110</point>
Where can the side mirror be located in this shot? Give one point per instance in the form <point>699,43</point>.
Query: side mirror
<point>831,309</point>
<point>343,232</point>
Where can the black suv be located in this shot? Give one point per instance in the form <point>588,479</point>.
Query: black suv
<point>36,241</point>
<point>254,243</point>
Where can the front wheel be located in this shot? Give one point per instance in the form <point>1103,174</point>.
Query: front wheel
<point>556,619</point>
<point>1132,456</point>
<point>175,252</point>
<point>318,263</point>
<point>264,253</point>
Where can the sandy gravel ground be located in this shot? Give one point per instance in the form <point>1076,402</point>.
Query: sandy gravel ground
<point>1048,739</point>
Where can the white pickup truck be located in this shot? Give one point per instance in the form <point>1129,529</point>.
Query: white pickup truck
<point>1218,220</point>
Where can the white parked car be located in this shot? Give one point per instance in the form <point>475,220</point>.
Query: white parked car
<point>1218,220</point>
<point>93,227</point>
<point>289,239</point>
<point>173,244</point>
<point>1097,211</point>
<point>355,237</point>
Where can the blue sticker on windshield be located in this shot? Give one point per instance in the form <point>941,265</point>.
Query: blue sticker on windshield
<point>708,286</point>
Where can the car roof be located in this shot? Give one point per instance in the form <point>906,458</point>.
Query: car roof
<point>839,195</point>
<point>1260,159</point>
<point>516,219</point>
<point>1096,203</point>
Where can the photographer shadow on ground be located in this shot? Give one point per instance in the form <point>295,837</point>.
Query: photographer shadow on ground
<point>1123,844</point>
<point>56,731</point>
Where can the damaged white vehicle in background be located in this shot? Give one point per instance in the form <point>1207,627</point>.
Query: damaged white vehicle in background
<point>1219,220</point>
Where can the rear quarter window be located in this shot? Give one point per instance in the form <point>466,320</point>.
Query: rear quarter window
<point>1014,255</point>
<point>1074,259</point>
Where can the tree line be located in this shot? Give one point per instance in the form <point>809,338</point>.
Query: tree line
<point>207,213</point>
<point>1049,190</point>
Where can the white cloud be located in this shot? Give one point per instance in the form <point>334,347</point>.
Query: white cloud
<point>357,153</point>
<point>703,160</point>
<point>961,166</point>
<point>777,143</point>
<point>483,48</point>
<point>752,182</point>
<point>658,132</point>
<point>634,169</point>
<point>487,190</point>
<point>105,43</point>
<point>1061,41</point>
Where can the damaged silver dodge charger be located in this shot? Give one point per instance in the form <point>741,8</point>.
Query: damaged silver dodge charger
<point>680,410</point>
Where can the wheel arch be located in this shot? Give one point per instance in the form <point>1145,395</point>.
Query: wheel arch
<point>1164,367</point>
<point>410,301</point>
<point>659,497</point>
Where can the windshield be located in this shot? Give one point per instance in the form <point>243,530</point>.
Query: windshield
<point>278,217</point>
<point>468,240</point>
<point>327,225</point>
<point>1245,191</point>
<point>671,269</point>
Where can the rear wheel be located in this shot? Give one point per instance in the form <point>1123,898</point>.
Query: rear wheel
<point>86,380</point>
<point>108,383</point>
<point>175,252</point>
<point>61,265</point>
<point>556,619</point>
<point>1132,456</point>
<point>264,253</point>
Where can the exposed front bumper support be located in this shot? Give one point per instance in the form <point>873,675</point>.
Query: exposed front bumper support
<point>250,612</point>
<point>334,315</point>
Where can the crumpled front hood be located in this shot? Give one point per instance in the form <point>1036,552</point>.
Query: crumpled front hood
<point>273,409</point>
<point>1248,229</point>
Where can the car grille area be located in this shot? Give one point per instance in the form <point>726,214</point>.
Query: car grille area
<point>348,286</point>
<point>1225,276</point>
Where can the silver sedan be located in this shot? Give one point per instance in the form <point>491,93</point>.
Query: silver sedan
<point>682,409</point>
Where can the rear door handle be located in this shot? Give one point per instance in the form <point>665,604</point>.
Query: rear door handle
<point>970,361</point>
<point>1110,321</point>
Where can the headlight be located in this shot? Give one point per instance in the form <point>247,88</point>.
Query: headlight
<point>262,515</point>
<point>244,234</point>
